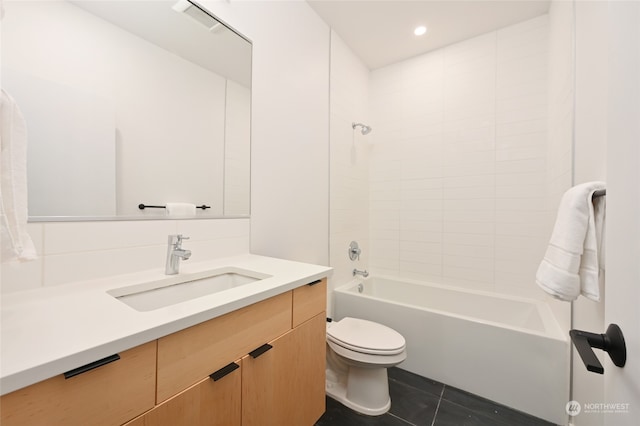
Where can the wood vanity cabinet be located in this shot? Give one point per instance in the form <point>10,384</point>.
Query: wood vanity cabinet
<point>285,385</point>
<point>209,402</point>
<point>107,395</point>
<point>260,365</point>
<point>283,382</point>
<point>280,377</point>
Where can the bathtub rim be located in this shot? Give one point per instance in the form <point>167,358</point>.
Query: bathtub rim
<point>552,329</point>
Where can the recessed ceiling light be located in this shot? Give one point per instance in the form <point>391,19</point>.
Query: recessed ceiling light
<point>421,30</point>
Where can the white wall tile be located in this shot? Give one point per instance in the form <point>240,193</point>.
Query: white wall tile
<point>423,236</point>
<point>482,241</point>
<point>475,192</point>
<point>461,156</point>
<point>88,265</point>
<point>469,262</point>
<point>450,248</point>
<point>521,204</point>
<point>467,276</point>
<point>422,268</point>
<point>79,251</point>
<point>17,276</point>
<point>222,247</point>
<point>421,252</point>
<point>475,216</point>
<point>471,228</point>
<point>521,191</point>
<point>75,237</point>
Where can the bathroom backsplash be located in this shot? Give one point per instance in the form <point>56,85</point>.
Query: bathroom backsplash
<point>75,251</point>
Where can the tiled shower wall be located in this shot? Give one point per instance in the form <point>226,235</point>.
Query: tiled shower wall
<point>458,169</point>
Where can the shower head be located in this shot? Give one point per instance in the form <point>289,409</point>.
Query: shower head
<point>365,129</point>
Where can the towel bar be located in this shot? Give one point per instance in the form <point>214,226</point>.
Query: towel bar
<point>145,206</point>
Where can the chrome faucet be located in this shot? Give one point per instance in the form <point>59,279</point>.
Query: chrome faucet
<point>364,273</point>
<point>175,252</point>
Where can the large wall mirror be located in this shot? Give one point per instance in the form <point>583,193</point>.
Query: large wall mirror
<point>128,103</point>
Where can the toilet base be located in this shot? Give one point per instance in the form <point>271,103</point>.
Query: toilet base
<point>366,390</point>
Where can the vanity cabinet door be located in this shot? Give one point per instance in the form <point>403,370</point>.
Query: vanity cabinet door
<point>107,395</point>
<point>211,402</point>
<point>284,385</point>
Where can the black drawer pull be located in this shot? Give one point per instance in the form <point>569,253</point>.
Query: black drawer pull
<point>95,364</point>
<point>224,371</point>
<point>314,283</point>
<point>259,351</point>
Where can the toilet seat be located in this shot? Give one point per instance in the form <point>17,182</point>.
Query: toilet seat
<point>359,352</point>
<point>366,337</point>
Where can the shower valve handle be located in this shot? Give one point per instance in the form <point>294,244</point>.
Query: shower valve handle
<point>354,251</point>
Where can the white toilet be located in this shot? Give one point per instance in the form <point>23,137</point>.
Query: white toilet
<point>358,355</point>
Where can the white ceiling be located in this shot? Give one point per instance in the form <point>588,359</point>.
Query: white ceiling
<point>380,32</point>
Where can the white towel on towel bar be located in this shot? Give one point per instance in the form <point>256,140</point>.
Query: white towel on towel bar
<point>571,265</point>
<point>181,209</point>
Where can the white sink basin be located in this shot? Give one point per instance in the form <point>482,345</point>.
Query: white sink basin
<point>182,287</point>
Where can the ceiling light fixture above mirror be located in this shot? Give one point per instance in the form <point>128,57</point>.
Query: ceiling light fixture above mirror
<point>199,15</point>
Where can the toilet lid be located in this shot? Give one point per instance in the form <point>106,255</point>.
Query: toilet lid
<point>366,336</point>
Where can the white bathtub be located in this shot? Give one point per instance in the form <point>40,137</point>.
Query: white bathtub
<point>507,349</point>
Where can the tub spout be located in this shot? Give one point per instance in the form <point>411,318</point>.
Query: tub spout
<point>364,273</point>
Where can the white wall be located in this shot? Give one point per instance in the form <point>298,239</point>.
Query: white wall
<point>289,168</point>
<point>590,151</point>
<point>458,168</point>
<point>290,126</point>
<point>622,385</point>
<point>349,160</point>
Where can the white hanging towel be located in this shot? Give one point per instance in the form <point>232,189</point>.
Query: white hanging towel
<point>572,263</point>
<point>181,209</point>
<point>15,241</point>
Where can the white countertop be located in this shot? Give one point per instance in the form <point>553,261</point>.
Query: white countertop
<point>51,330</point>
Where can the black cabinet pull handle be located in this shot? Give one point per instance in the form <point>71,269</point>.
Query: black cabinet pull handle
<point>224,371</point>
<point>314,283</point>
<point>259,351</point>
<point>91,366</point>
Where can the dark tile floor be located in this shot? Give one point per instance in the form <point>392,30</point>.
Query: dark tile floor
<point>418,401</point>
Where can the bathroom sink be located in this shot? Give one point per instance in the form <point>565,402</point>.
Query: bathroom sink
<point>174,289</point>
